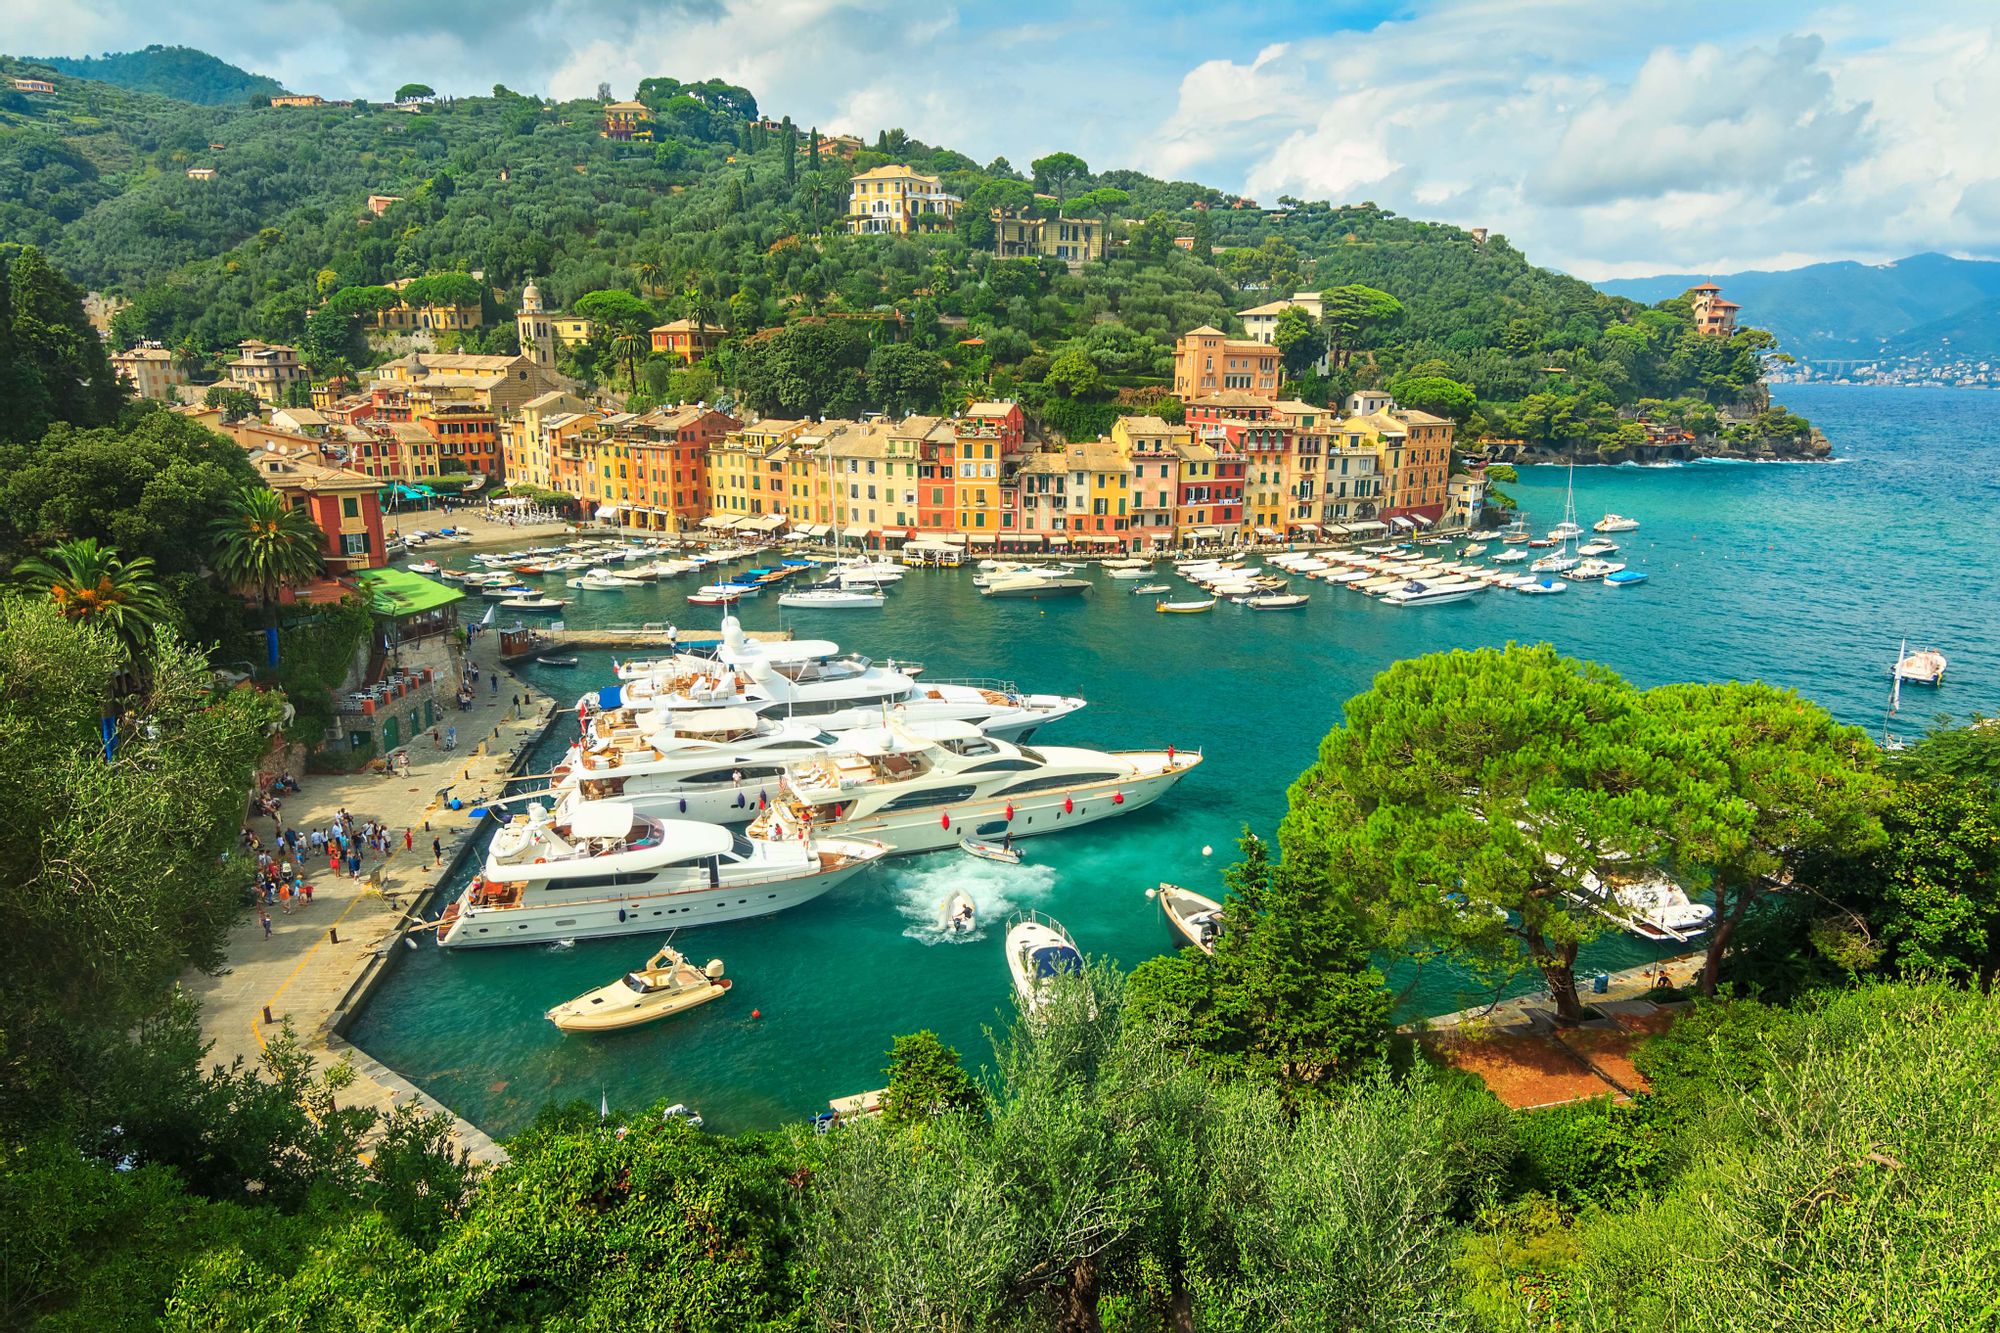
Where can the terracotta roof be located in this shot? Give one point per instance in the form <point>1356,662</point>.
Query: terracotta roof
<point>1206,328</point>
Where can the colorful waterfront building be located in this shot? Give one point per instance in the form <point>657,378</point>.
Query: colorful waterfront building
<point>669,455</point>
<point>747,475</point>
<point>1148,444</point>
<point>1414,452</point>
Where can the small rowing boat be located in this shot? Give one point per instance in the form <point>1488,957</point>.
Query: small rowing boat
<point>555,661</point>
<point>990,851</point>
<point>1184,608</point>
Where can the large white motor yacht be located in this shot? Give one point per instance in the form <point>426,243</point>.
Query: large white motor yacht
<point>923,792</point>
<point>601,869</point>
<point>710,765</point>
<point>812,680</point>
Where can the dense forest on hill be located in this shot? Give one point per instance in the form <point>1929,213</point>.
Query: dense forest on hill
<point>172,71</point>
<point>740,224</point>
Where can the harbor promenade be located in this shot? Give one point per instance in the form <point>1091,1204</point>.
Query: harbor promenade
<point>320,960</point>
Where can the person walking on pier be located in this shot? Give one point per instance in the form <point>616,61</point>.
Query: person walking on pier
<point>437,852</point>
<point>265,917</point>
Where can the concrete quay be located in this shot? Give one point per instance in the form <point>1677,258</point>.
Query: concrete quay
<point>321,961</point>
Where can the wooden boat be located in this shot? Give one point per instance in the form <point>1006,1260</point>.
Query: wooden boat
<point>533,603</point>
<point>1152,589</point>
<point>990,851</point>
<point>1195,919</point>
<point>1277,602</point>
<point>555,661</point>
<point>669,984</point>
<point>1184,608</point>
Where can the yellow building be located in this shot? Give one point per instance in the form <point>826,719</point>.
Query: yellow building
<point>1073,240</point>
<point>626,120</point>
<point>267,370</point>
<point>895,199</point>
<point>150,369</point>
<point>525,453</point>
<point>749,472</point>
<point>869,490</point>
<point>436,318</point>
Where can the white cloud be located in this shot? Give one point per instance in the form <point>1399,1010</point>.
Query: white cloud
<point>1601,139</point>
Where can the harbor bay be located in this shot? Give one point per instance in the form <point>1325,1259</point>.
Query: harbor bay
<point>1804,575</point>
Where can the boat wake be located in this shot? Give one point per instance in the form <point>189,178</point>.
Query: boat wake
<point>922,888</point>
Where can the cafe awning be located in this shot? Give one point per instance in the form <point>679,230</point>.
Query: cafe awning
<point>1306,527</point>
<point>981,538</point>
<point>811,530</point>
<point>764,523</point>
<point>1366,526</point>
<point>1202,535</point>
<point>396,593</point>
<point>714,521</point>
<point>857,532</point>
<point>1267,532</point>
<point>607,511</point>
<point>1059,541</point>
<point>1406,524</point>
<point>1335,530</point>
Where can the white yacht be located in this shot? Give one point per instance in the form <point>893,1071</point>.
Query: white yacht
<point>813,680</point>
<point>1034,586</point>
<point>1614,523</point>
<point>1559,563</point>
<point>924,792</point>
<point>600,869</point>
<point>603,580</point>
<point>1595,569</point>
<point>1650,906</point>
<point>827,597</point>
<point>710,765</point>
<point>1418,593</point>
<point>1039,950</point>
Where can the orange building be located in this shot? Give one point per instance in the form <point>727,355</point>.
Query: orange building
<point>467,437</point>
<point>669,453</point>
<point>1208,361</point>
<point>1712,314</point>
<point>687,340</point>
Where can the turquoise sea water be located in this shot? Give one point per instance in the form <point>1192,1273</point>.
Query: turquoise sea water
<point>1804,575</point>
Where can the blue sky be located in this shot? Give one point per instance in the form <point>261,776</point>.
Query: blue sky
<point>1605,138</point>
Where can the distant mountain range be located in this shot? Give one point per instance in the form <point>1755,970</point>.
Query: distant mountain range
<point>171,71</point>
<point>1925,307</point>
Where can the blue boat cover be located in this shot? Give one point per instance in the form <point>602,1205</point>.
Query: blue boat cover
<point>611,696</point>
<point>1053,960</point>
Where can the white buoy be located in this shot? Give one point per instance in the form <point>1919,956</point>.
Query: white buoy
<point>1207,850</point>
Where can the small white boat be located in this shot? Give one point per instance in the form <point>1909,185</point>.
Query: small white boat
<point>1595,569</point>
<point>1614,523</point>
<point>669,984</point>
<point>1151,589</point>
<point>1184,608</point>
<point>1565,531</point>
<point>1471,550</point>
<point>1039,951</point>
<point>959,915</point>
<point>534,603</point>
<point>1197,920</point>
<point>1543,587</point>
<point>603,580</point>
<point>1128,571</point>
<point>1598,546</point>
<point>1921,668</point>
<point>1560,563</point>
<point>1625,578</point>
<point>424,567</point>
<point>1003,852</point>
<point>1277,601</point>
<point>831,599</point>
<point>1513,555</point>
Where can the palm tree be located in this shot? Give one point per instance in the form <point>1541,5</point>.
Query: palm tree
<point>262,544</point>
<point>627,347</point>
<point>92,584</point>
<point>649,272</point>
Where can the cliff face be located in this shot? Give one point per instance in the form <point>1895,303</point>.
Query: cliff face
<point>1807,447</point>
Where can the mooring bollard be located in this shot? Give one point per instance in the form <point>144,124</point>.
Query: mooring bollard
<point>267,1015</point>
<point>332,934</point>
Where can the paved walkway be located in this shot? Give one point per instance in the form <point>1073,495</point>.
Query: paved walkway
<point>1536,1012</point>
<point>320,959</point>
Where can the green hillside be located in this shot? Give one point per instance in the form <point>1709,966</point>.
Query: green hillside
<point>724,218</point>
<point>173,71</point>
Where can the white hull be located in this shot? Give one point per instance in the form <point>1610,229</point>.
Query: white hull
<point>637,912</point>
<point>907,832</point>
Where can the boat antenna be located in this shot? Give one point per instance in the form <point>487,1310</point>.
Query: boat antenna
<point>1895,692</point>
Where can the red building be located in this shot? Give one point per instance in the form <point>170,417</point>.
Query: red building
<point>686,339</point>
